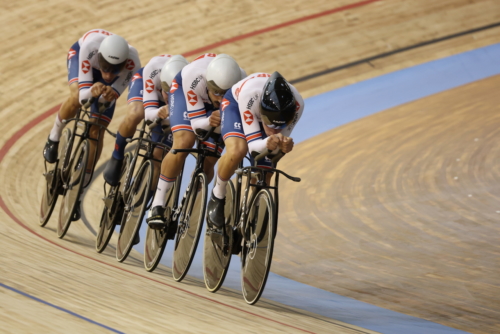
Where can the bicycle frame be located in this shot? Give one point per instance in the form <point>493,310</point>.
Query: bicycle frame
<point>146,144</point>
<point>202,153</point>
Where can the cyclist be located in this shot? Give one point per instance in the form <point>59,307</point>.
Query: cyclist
<point>146,100</point>
<point>100,64</point>
<point>194,102</point>
<point>258,114</point>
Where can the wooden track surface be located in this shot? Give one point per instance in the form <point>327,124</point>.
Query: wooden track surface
<point>35,37</point>
<point>409,200</point>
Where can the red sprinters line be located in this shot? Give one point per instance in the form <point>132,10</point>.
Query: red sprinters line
<point>276,27</point>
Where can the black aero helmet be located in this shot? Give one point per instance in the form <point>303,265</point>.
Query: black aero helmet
<point>278,105</point>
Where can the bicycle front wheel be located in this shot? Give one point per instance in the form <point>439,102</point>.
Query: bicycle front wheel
<point>156,239</point>
<point>190,225</point>
<point>53,181</point>
<point>134,210</point>
<point>113,209</point>
<point>216,257</point>
<point>74,185</point>
<point>258,244</point>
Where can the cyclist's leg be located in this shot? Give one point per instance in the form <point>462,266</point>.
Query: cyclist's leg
<point>135,114</point>
<point>183,138</point>
<point>68,108</point>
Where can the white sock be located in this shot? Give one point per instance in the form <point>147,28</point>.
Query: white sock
<point>220,187</point>
<point>164,185</point>
<point>56,131</point>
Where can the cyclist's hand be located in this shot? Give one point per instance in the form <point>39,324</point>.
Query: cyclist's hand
<point>286,144</point>
<point>97,89</point>
<point>109,94</point>
<point>273,141</point>
<point>163,112</point>
<point>214,119</point>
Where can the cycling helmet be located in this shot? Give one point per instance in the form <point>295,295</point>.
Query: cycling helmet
<point>113,54</point>
<point>171,68</point>
<point>277,105</point>
<point>222,73</point>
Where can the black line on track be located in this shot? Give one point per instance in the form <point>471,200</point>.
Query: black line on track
<point>386,54</point>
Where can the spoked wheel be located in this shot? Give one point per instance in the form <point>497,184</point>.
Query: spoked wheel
<point>134,210</point>
<point>258,245</point>
<point>189,228</point>
<point>73,187</point>
<point>53,181</point>
<point>113,209</point>
<point>156,239</point>
<point>216,255</point>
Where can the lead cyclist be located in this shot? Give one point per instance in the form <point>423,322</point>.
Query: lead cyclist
<point>258,114</point>
<point>100,64</point>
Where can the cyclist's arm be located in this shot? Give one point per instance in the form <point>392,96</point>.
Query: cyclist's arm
<point>132,66</point>
<point>193,87</point>
<point>85,75</point>
<point>151,91</point>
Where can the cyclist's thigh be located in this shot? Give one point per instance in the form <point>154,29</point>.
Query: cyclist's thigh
<point>179,120</point>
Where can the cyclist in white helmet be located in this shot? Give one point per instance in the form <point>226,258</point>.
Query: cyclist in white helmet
<point>100,65</point>
<point>195,97</point>
<point>147,96</point>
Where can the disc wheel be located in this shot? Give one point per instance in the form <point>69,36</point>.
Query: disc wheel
<point>76,177</point>
<point>258,244</point>
<point>113,209</point>
<point>156,239</point>
<point>216,259</point>
<point>53,181</point>
<point>190,223</point>
<point>134,210</point>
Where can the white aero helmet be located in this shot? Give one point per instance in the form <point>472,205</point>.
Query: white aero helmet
<point>222,73</point>
<point>113,54</point>
<point>170,69</point>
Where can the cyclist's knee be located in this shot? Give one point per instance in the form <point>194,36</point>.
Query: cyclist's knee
<point>74,95</point>
<point>135,114</point>
<point>236,148</point>
<point>184,139</point>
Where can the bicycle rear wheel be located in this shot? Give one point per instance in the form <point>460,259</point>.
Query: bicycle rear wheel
<point>258,244</point>
<point>134,210</point>
<point>53,181</point>
<point>216,259</point>
<point>113,209</point>
<point>76,178</point>
<point>156,239</point>
<point>190,225</point>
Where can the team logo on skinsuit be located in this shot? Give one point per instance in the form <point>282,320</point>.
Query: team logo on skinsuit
<point>85,66</point>
<point>174,86</point>
<point>130,65</point>
<point>192,98</point>
<point>136,76</point>
<point>71,53</point>
<point>224,104</point>
<point>248,117</point>
<point>150,86</point>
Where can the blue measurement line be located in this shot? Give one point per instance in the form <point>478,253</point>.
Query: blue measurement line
<point>59,308</point>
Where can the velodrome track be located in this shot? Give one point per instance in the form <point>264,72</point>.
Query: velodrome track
<point>419,195</point>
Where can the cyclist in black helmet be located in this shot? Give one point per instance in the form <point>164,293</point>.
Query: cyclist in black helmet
<point>258,114</point>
